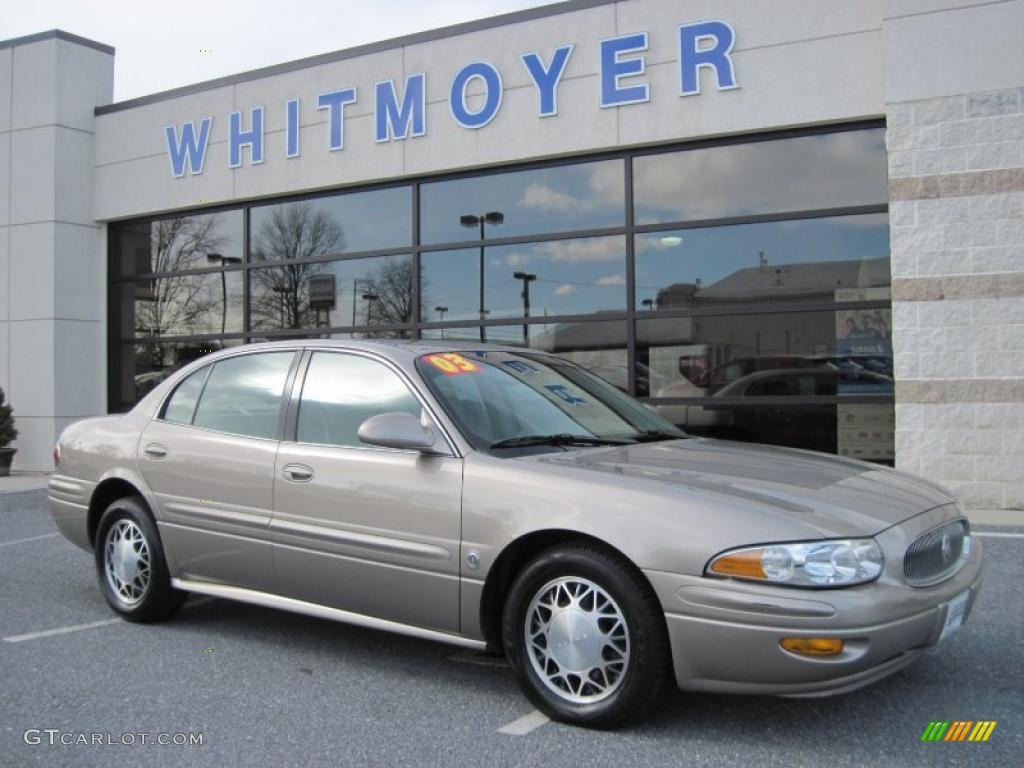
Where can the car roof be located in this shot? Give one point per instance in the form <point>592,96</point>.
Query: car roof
<point>405,348</point>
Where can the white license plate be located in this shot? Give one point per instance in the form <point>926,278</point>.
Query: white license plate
<point>955,612</point>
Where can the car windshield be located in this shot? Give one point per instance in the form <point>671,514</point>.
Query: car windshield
<point>504,400</point>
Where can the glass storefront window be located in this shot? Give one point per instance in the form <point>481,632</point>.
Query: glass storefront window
<point>179,305</point>
<point>828,170</point>
<point>565,277</point>
<point>327,226</point>
<point>175,244</point>
<point>545,200</point>
<point>849,351</point>
<point>597,345</point>
<point>719,362</point>
<point>370,291</point>
<point>768,331</point>
<point>787,262</point>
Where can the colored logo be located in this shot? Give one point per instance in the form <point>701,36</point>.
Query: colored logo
<point>958,730</point>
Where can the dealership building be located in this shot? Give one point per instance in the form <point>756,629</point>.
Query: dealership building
<point>783,221</point>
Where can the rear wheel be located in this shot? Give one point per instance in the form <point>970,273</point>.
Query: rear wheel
<point>130,563</point>
<point>586,635</point>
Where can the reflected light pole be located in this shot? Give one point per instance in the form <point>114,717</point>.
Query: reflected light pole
<point>222,260</point>
<point>440,317</point>
<point>527,278</point>
<point>472,220</point>
<point>370,298</point>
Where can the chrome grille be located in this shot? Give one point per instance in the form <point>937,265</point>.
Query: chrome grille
<point>937,554</point>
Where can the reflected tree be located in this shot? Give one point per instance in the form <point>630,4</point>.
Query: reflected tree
<point>179,303</point>
<point>292,233</point>
<point>391,286</point>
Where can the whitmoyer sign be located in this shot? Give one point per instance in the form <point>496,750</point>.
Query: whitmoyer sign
<point>400,112</point>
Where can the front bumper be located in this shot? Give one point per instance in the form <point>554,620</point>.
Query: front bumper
<point>725,633</point>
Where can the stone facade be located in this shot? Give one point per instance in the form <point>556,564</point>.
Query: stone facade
<point>52,265</point>
<point>956,166</point>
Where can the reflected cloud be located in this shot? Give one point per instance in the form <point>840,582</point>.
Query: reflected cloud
<point>809,172</point>
<point>588,249</point>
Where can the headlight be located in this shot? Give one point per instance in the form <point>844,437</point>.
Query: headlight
<point>835,563</point>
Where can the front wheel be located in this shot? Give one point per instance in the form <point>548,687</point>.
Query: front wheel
<point>130,564</point>
<point>586,635</point>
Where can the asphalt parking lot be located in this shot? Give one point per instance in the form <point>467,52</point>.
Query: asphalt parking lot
<point>263,687</point>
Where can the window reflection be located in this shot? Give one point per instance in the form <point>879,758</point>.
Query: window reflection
<point>724,360</point>
<point>181,305</point>
<point>560,277</point>
<point>372,291</point>
<point>828,170</point>
<point>172,245</point>
<point>558,199</point>
<point>309,229</point>
<point>841,258</point>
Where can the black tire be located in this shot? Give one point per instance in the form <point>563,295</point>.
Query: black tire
<point>646,675</point>
<point>145,593</point>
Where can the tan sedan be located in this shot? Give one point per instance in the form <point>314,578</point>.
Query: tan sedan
<point>510,500</point>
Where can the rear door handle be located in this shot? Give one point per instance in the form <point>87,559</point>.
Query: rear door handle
<point>297,473</point>
<point>155,450</point>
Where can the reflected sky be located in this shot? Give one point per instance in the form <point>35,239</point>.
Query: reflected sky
<point>560,199</point>
<point>728,260</point>
<point>572,277</point>
<point>805,173</point>
<point>362,221</point>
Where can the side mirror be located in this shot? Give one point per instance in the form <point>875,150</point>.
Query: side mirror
<point>398,430</point>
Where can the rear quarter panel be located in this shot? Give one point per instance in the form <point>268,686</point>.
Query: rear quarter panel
<point>93,450</point>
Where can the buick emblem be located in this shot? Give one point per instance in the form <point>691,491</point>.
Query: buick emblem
<point>947,548</point>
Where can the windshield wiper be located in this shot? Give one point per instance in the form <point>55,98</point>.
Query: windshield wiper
<point>656,435</point>
<point>558,439</point>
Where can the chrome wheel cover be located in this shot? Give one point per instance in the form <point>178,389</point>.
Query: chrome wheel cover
<point>577,640</point>
<point>126,561</point>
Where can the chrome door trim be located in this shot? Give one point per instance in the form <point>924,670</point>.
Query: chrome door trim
<point>268,600</point>
<point>282,527</point>
<point>201,514</point>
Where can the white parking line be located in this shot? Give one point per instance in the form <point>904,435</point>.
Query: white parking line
<point>999,535</point>
<point>31,538</point>
<point>525,724</point>
<point>60,630</point>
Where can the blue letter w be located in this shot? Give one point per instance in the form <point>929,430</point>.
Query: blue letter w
<point>188,147</point>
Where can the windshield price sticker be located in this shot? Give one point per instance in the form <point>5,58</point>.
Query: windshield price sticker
<point>452,364</point>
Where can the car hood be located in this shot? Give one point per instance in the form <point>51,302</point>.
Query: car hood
<point>826,495</point>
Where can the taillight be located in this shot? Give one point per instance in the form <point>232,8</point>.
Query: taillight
<point>56,455</point>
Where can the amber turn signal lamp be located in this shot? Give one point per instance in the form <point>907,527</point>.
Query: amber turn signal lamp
<point>744,564</point>
<point>813,646</point>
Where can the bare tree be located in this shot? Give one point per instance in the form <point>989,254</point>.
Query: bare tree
<point>391,283</point>
<point>293,232</point>
<point>178,304</point>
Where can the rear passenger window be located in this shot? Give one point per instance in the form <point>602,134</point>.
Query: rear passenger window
<point>243,394</point>
<point>342,391</point>
<point>182,404</point>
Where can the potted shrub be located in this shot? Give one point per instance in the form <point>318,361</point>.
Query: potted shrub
<point>7,435</point>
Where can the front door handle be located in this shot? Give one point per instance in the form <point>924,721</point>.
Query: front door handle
<point>297,473</point>
<point>155,450</point>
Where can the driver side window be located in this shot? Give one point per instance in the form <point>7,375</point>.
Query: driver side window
<point>341,391</point>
